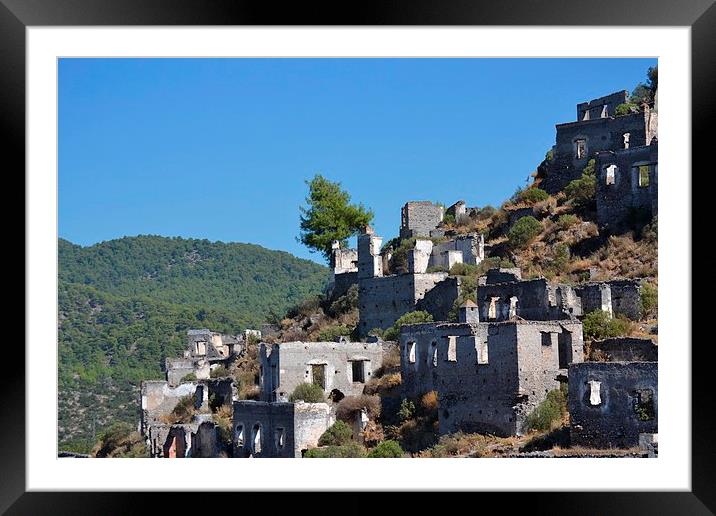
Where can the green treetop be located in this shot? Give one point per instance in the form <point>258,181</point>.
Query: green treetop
<point>329,216</point>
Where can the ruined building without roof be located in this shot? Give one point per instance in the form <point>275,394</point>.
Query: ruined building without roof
<point>383,296</point>
<point>597,129</point>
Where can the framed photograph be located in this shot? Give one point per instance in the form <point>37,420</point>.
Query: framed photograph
<point>427,232</point>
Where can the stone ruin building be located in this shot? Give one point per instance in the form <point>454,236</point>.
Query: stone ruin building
<point>613,404</point>
<point>598,129</point>
<point>340,368</point>
<point>627,183</point>
<point>488,375</point>
<point>385,297</point>
<point>503,295</point>
<point>275,427</point>
<point>206,350</point>
<point>278,429</point>
<point>196,438</point>
<point>190,376</point>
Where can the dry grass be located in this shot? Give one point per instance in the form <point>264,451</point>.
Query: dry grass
<point>350,405</point>
<point>383,385</point>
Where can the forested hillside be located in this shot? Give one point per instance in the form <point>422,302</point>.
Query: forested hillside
<point>126,304</point>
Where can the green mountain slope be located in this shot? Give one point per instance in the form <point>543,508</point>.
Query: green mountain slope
<point>125,305</point>
<point>246,280</point>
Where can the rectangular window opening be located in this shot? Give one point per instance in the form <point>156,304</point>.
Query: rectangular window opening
<point>358,367</point>
<point>318,375</point>
<point>643,175</point>
<point>452,349</point>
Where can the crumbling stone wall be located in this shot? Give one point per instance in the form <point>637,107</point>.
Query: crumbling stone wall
<point>617,297</point>
<point>621,195</point>
<point>382,301</point>
<point>419,218</point>
<point>489,376</point>
<point>284,429</point>
<point>471,248</point>
<point>503,275</point>
<point>439,300</point>
<point>603,107</point>
<point>158,398</point>
<point>625,349</point>
<point>611,403</point>
<point>286,365</point>
<point>534,299</point>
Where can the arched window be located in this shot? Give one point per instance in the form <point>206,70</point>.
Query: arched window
<point>434,353</point>
<point>239,435</point>
<point>256,439</point>
<point>611,174</point>
<point>411,352</point>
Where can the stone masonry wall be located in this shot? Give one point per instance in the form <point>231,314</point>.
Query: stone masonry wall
<point>619,195</point>
<point>611,403</point>
<point>418,218</point>
<point>601,134</point>
<point>383,300</point>
<point>489,376</point>
<point>626,349</point>
<point>286,365</point>
<point>285,429</point>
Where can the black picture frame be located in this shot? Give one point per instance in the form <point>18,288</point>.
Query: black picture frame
<point>700,15</point>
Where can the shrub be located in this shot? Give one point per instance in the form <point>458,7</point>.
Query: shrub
<point>463,269</point>
<point>393,333</point>
<point>436,268</point>
<point>600,325</point>
<point>549,413</point>
<point>350,450</point>
<point>386,449</point>
<point>581,191</point>
<point>449,219</point>
<point>308,392</point>
<point>567,220</point>
<point>626,109</point>
<point>331,333</point>
<point>429,401</point>
<point>524,231</point>
<point>219,372</point>
<point>345,303</point>
<point>561,257</point>
<point>532,195</point>
<point>549,155</point>
<point>337,435</point>
<point>407,410</point>
<point>486,212</point>
<point>349,405</point>
<point>191,377</point>
<point>649,299</point>
<point>182,412</point>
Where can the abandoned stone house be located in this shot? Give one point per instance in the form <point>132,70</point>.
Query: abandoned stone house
<point>340,368</point>
<point>502,296</point>
<point>613,404</point>
<point>534,299</point>
<point>206,350</point>
<point>278,429</point>
<point>196,438</point>
<point>596,129</point>
<point>488,375</point>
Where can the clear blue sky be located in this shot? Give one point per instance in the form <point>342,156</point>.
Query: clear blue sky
<point>220,148</point>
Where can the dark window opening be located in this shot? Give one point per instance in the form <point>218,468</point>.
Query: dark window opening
<point>318,375</point>
<point>358,371</point>
<point>644,404</point>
